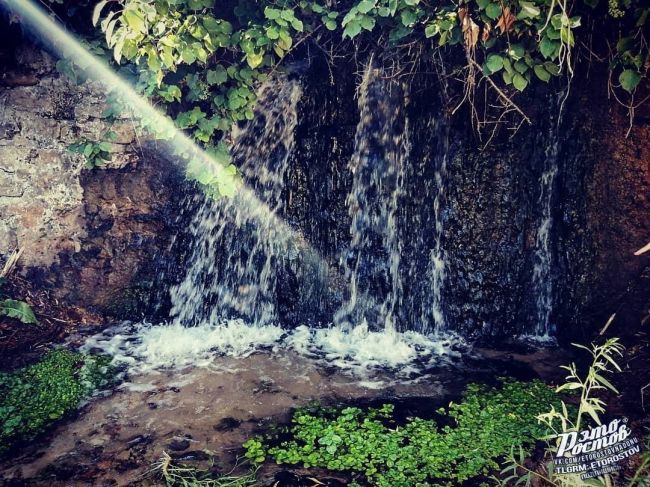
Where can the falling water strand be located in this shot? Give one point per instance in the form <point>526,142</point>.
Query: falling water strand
<point>371,265</point>
<point>437,262</point>
<point>236,250</point>
<point>543,255</point>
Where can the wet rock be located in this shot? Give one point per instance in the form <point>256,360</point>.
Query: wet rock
<point>139,440</point>
<point>227,424</point>
<point>192,456</point>
<point>106,229</point>
<point>179,443</point>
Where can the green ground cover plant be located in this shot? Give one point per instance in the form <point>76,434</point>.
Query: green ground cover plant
<point>466,440</point>
<point>33,397</point>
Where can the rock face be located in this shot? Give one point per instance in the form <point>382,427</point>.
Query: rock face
<point>92,235</point>
<point>100,238</point>
<point>491,208</point>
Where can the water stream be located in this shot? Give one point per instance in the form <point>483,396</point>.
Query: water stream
<point>372,260</point>
<point>543,288</point>
<point>236,251</point>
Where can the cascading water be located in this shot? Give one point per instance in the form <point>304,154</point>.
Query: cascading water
<point>233,266</point>
<point>372,262</point>
<point>543,254</point>
<point>227,301</point>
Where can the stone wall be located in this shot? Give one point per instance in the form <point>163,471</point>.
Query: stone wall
<point>89,234</point>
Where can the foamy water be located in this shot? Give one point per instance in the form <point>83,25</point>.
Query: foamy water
<point>142,348</point>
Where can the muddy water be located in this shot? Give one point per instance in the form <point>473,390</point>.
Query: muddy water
<point>210,411</point>
<point>115,439</point>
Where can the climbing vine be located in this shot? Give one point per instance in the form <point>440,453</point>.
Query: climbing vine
<point>203,60</point>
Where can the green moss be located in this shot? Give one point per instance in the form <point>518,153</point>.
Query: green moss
<point>33,397</point>
<point>477,432</point>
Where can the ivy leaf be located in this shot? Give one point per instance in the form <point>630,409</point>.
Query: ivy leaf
<point>254,59</point>
<point>188,55</point>
<point>367,22</point>
<point>352,29</point>
<point>519,81</point>
<point>217,76</point>
<point>541,73</point>
<point>365,6</point>
<point>287,14</point>
<point>494,63</point>
<point>330,24</point>
<point>629,80</point>
<point>548,48</point>
<point>552,68</point>
<point>528,10</point>
<point>408,18</point>
<point>493,10</point>
<point>135,20</point>
<point>271,13</point>
<point>19,310</point>
<point>297,24</point>
<point>516,51</point>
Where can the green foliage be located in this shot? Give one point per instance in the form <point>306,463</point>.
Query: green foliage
<point>13,308</point>
<point>477,431</point>
<point>202,61</point>
<point>565,419</point>
<point>604,361</point>
<point>33,397</point>
<point>19,310</point>
<point>96,153</point>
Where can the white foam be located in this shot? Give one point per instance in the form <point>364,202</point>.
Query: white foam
<point>143,348</point>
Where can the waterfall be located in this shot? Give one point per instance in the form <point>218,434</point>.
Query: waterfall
<point>241,257</point>
<point>237,246</point>
<point>543,260</point>
<point>371,264</point>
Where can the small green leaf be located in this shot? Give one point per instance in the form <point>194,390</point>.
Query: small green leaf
<point>98,10</point>
<point>352,29</point>
<point>271,13</point>
<point>367,22</point>
<point>297,25</point>
<point>629,80</point>
<point>365,6</point>
<point>135,20</point>
<point>541,73</point>
<point>19,310</point>
<point>548,48</point>
<point>493,10</point>
<point>528,10</point>
<point>494,63</point>
<point>519,81</point>
<point>408,18</point>
<point>330,24</point>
